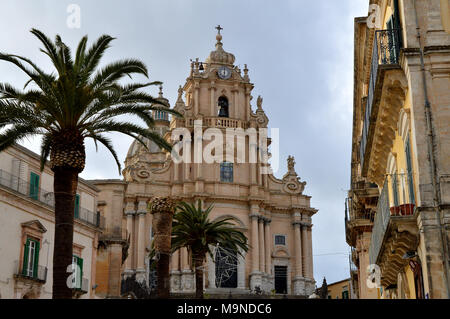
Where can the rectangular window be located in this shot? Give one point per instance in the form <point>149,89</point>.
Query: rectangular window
<point>345,294</point>
<point>226,172</point>
<point>280,240</point>
<point>77,206</point>
<point>77,263</point>
<point>34,186</point>
<point>31,258</point>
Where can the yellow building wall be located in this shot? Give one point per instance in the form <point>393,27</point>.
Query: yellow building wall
<point>445,15</point>
<point>335,290</point>
<point>410,280</point>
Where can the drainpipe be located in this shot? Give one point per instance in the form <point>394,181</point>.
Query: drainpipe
<point>431,152</point>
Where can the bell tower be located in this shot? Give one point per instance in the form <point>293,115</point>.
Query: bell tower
<point>218,92</point>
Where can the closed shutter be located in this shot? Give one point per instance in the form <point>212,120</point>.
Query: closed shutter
<point>395,189</point>
<point>34,185</point>
<point>77,206</point>
<point>80,267</point>
<point>36,259</point>
<point>409,171</point>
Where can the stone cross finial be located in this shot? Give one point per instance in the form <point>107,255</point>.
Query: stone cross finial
<point>218,28</point>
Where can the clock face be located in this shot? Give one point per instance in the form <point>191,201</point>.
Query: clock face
<point>224,72</point>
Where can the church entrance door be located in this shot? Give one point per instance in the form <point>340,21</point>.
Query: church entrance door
<point>226,269</point>
<point>281,279</point>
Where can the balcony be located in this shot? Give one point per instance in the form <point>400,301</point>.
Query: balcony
<point>81,289</point>
<point>218,122</point>
<point>385,57</point>
<point>358,219</point>
<point>47,198</point>
<point>37,273</point>
<point>395,230</point>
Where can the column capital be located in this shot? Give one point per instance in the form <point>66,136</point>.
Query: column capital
<point>267,220</point>
<point>306,225</point>
<point>254,215</point>
<point>130,213</point>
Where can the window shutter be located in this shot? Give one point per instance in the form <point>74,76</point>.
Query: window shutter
<point>395,189</point>
<point>34,185</point>
<point>77,206</point>
<point>409,171</point>
<point>25,257</point>
<point>80,265</point>
<point>36,259</point>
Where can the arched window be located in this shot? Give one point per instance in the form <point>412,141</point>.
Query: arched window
<point>226,172</point>
<point>223,107</point>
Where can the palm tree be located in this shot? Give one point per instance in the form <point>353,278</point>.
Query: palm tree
<point>79,101</point>
<point>193,229</point>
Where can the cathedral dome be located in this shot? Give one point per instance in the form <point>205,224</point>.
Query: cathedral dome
<point>220,55</point>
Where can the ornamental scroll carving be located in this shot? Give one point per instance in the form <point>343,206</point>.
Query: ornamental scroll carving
<point>291,181</point>
<point>141,172</point>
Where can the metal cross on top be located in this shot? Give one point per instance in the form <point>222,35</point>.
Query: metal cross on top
<point>219,28</point>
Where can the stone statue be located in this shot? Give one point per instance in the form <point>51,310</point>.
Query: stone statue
<point>290,163</point>
<point>259,102</point>
<point>180,93</point>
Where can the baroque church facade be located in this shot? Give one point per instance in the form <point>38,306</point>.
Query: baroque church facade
<point>273,213</point>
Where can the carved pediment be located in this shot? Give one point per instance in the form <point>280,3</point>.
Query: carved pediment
<point>34,225</point>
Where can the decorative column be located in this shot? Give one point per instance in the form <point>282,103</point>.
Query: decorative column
<point>261,244</point>
<point>175,273</point>
<point>268,246</point>
<point>175,172</point>
<point>299,241</point>
<point>187,275</point>
<point>196,97</point>
<point>310,253</point>
<point>141,213</point>
<point>305,249</point>
<point>253,150</point>
<point>129,213</point>
<point>255,276</point>
<point>212,89</point>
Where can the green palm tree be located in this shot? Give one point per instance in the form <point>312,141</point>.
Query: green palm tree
<point>193,229</point>
<point>78,101</point>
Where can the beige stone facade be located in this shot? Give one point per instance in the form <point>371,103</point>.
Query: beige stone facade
<point>274,213</point>
<point>398,207</point>
<point>27,228</point>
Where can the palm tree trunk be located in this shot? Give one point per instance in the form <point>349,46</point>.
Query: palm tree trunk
<point>65,187</point>
<point>162,270</point>
<point>198,277</point>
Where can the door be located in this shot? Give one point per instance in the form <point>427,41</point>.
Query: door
<point>281,279</point>
<point>226,269</point>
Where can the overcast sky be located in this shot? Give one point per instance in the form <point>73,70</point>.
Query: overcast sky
<point>300,58</point>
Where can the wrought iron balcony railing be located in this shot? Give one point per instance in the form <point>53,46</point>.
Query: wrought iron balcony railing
<point>396,199</point>
<point>46,197</point>
<point>385,52</point>
<point>36,272</point>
